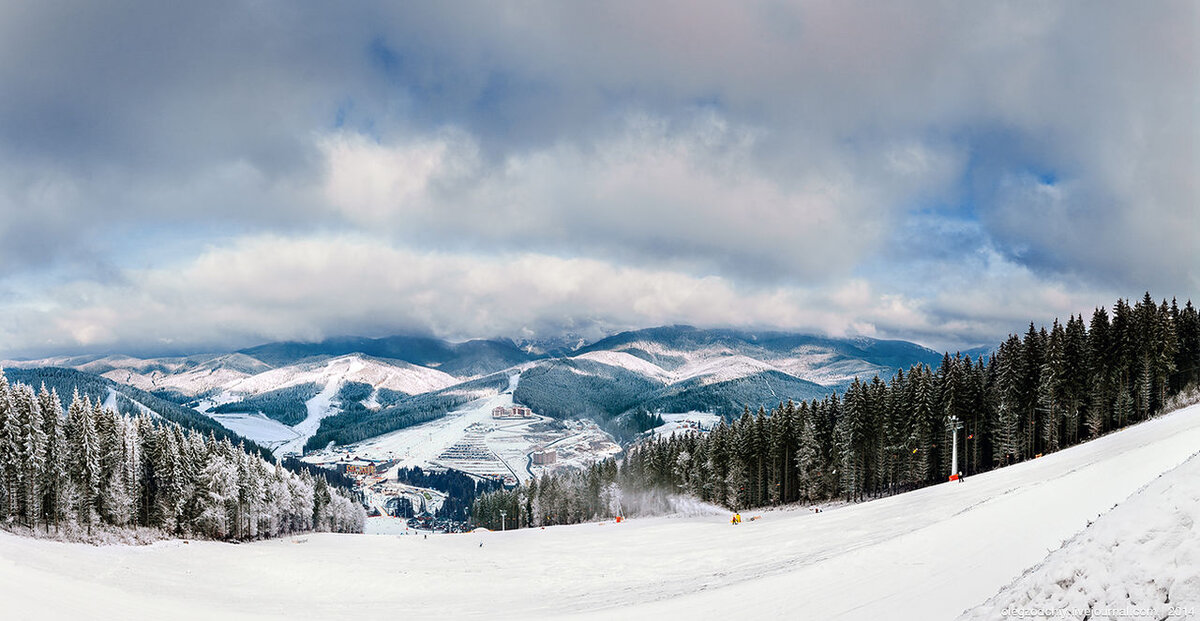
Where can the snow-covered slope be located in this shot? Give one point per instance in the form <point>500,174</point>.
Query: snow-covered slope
<point>632,363</point>
<point>393,375</point>
<point>197,379</point>
<point>707,366</point>
<point>826,361</point>
<point>1140,560</point>
<point>331,375</point>
<point>929,554</point>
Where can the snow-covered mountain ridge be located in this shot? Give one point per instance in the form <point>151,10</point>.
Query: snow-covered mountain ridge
<point>676,368</point>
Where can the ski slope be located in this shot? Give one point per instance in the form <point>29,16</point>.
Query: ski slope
<point>1142,559</point>
<point>929,554</point>
<point>420,445</point>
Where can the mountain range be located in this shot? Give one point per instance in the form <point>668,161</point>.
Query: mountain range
<point>347,389</point>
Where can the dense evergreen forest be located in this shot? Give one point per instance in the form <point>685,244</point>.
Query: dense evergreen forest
<point>92,469</point>
<point>97,388</point>
<point>1035,394</point>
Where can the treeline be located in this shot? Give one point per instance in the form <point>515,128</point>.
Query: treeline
<point>1036,394</point>
<point>66,381</point>
<point>92,467</point>
<point>332,477</point>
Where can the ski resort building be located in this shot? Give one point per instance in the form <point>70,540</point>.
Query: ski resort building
<point>544,457</point>
<point>356,467</point>
<point>516,411</point>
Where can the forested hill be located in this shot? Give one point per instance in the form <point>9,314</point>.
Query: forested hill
<point>89,472</point>
<point>127,400</point>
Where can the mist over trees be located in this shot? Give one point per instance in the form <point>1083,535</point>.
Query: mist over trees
<point>1037,393</point>
<point>92,468</point>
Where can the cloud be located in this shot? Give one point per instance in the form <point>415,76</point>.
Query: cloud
<point>264,288</point>
<point>926,161</point>
<point>689,193</point>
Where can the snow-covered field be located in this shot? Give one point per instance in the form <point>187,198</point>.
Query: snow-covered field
<point>392,374</point>
<point>930,554</point>
<point>266,431</point>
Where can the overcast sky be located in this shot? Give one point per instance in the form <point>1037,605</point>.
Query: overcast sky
<point>195,176</point>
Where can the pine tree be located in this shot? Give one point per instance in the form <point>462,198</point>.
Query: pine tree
<point>1075,376</point>
<point>10,447</point>
<point>1187,355</point>
<point>809,466</point>
<point>85,466</point>
<point>1165,347</point>
<point>1052,387</point>
<point>1009,439</point>
<point>55,482</point>
<point>1099,369</point>
<point>31,452</point>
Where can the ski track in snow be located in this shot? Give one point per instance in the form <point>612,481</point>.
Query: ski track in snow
<point>928,554</point>
<point>319,407</point>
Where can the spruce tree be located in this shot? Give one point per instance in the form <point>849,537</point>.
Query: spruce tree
<point>31,452</point>
<point>85,467</point>
<point>55,482</point>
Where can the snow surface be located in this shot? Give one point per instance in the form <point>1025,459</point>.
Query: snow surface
<point>721,369</point>
<point>191,382</point>
<point>629,362</point>
<point>929,554</point>
<point>1142,559</point>
<point>110,403</point>
<point>319,407</point>
<point>257,427</point>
